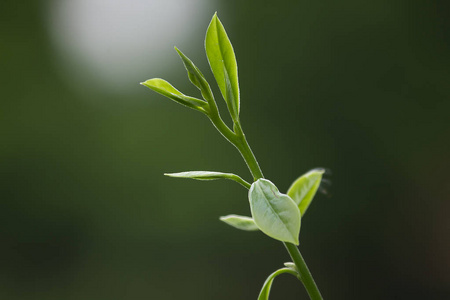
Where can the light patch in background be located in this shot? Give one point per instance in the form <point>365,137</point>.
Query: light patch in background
<point>111,45</point>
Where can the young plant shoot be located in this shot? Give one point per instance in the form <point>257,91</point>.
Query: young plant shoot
<point>276,214</point>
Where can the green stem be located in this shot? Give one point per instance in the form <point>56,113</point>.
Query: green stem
<point>238,139</point>
<point>247,153</point>
<point>217,121</point>
<point>305,274</point>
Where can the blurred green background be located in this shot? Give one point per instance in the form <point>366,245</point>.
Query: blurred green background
<point>359,87</point>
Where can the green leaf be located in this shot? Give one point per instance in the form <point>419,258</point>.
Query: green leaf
<point>207,175</point>
<point>302,191</point>
<point>196,77</point>
<point>264,294</point>
<point>223,64</point>
<point>166,89</point>
<point>240,222</point>
<point>276,214</point>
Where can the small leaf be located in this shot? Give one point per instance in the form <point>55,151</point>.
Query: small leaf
<point>240,222</point>
<point>302,191</point>
<point>223,64</point>
<point>276,214</point>
<point>196,77</point>
<point>265,291</point>
<point>207,175</point>
<point>166,89</point>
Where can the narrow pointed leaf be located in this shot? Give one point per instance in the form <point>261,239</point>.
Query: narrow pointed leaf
<point>276,214</point>
<point>196,77</point>
<point>240,222</point>
<point>223,64</point>
<point>166,89</point>
<point>302,191</point>
<point>207,175</point>
<point>265,291</point>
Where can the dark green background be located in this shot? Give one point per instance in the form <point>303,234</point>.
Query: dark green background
<point>359,87</point>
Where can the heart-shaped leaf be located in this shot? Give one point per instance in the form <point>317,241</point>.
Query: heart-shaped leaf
<point>196,77</point>
<point>265,291</point>
<point>166,89</point>
<point>240,222</point>
<point>276,214</point>
<point>302,191</point>
<point>207,175</point>
<point>223,64</point>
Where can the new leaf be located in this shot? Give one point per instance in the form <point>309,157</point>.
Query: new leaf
<point>223,64</point>
<point>302,191</point>
<point>166,89</point>
<point>196,77</point>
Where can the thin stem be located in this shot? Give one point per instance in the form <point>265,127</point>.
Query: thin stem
<point>241,181</point>
<point>217,121</point>
<point>305,274</point>
<point>238,139</point>
<point>247,153</point>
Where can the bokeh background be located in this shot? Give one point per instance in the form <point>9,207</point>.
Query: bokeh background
<point>359,87</point>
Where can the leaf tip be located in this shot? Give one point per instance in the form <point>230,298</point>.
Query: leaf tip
<point>180,53</point>
<point>146,82</point>
<point>214,18</point>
